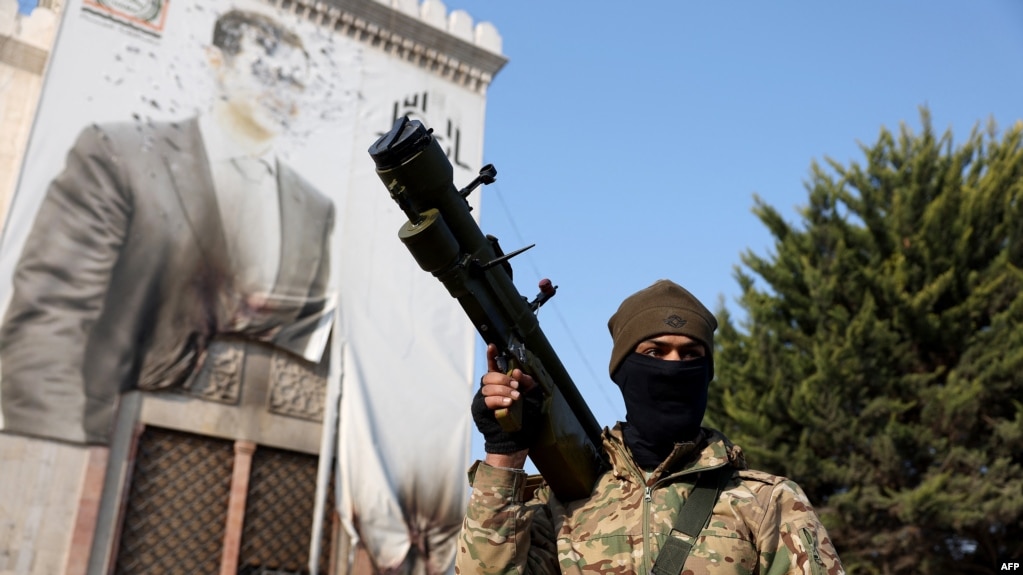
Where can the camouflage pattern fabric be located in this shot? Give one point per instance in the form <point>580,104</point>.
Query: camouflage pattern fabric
<point>762,524</point>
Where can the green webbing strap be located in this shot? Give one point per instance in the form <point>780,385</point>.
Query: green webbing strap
<point>690,521</point>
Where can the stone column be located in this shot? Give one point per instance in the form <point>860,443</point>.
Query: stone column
<point>243,451</point>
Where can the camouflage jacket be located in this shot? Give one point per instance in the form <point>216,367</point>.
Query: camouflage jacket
<point>761,523</point>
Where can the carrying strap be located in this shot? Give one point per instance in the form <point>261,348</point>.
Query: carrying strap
<point>692,517</point>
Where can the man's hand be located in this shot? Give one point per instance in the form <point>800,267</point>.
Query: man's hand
<point>499,390</point>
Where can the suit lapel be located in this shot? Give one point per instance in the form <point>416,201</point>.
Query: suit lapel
<point>300,241</point>
<point>190,173</point>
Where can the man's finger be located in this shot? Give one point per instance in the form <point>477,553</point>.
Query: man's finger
<point>498,378</point>
<point>491,357</point>
<point>500,390</point>
<point>497,401</point>
<point>525,380</point>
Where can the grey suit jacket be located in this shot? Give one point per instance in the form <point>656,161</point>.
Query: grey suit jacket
<point>125,278</point>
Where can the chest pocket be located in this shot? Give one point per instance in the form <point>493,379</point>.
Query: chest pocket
<point>697,537</point>
<point>721,551</point>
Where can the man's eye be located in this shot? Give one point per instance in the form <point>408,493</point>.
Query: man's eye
<point>653,352</point>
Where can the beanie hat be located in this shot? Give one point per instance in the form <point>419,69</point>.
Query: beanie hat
<point>663,308</point>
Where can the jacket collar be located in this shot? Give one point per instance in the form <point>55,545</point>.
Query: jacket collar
<point>711,450</point>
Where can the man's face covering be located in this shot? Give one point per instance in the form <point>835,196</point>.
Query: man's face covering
<point>664,401</point>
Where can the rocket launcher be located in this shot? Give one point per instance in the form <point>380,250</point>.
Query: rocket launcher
<point>446,241</point>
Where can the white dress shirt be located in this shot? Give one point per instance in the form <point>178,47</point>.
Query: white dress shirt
<point>249,203</point>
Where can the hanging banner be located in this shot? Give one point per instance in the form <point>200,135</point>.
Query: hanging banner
<point>196,183</point>
<point>399,420</point>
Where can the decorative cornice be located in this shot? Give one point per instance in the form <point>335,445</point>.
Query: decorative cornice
<point>414,34</point>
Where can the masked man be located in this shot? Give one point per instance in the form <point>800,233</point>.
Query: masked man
<point>678,498</point>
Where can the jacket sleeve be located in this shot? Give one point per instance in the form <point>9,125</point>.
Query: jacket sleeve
<point>59,286</point>
<point>791,538</point>
<point>501,532</point>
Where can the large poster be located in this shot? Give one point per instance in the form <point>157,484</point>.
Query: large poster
<point>197,182</point>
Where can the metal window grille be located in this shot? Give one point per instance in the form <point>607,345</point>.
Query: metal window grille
<point>279,514</point>
<point>177,504</point>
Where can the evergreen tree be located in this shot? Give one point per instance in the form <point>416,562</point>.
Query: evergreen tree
<point>880,362</point>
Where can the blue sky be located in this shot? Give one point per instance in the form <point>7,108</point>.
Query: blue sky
<point>631,139</point>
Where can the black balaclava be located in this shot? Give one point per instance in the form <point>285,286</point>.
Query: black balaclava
<point>664,401</point>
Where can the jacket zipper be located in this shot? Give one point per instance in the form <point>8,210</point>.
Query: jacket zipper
<point>814,556</point>
<point>647,499</point>
<point>817,568</point>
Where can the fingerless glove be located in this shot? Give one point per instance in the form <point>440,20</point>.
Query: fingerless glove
<point>496,439</point>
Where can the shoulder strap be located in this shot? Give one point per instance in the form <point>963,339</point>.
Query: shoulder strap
<point>692,517</point>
